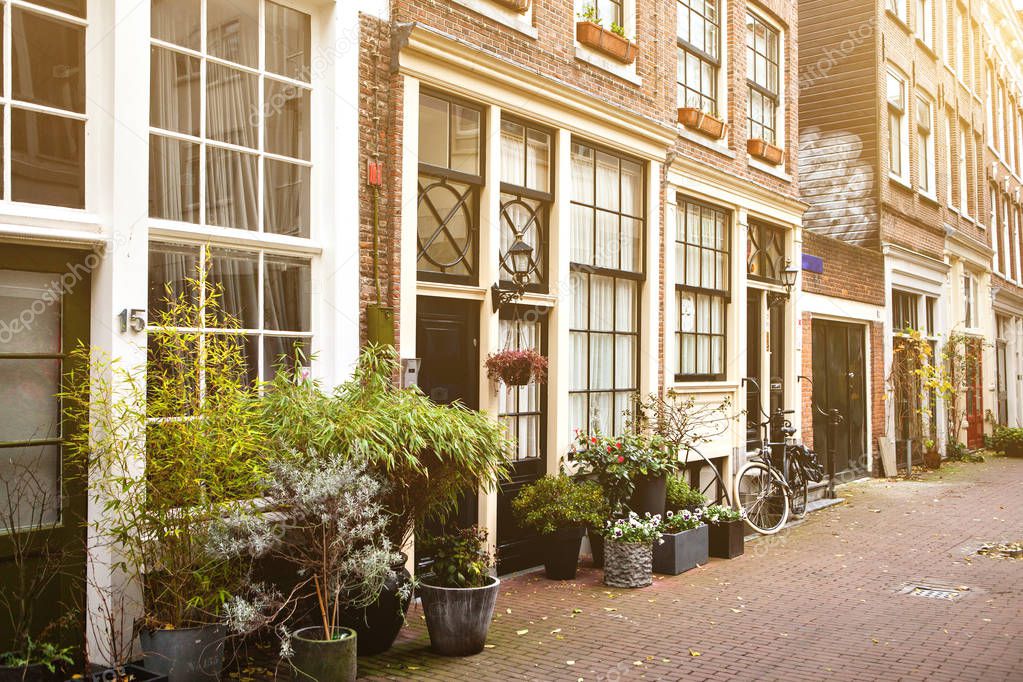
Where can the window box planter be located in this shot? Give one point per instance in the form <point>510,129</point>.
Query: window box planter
<point>135,673</point>
<point>726,539</point>
<point>701,121</point>
<point>680,552</point>
<point>613,45</point>
<point>765,151</point>
<point>628,564</point>
<point>520,6</point>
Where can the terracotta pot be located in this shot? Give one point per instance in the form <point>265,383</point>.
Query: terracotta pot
<point>708,124</point>
<point>764,150</point>
<point>613,45</point>
<point>520,6</point>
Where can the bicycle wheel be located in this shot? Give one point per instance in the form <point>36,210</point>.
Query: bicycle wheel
<point>760,492</point>
<point>796,478</point>
<point>714,489</point>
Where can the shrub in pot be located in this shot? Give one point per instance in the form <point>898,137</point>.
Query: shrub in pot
<point>725,531</point>
<point>632,469</point>
<point>332,530</point>
<point>628,550</point>
<point>683,543</point>
<point>681,496</point>
<point>559,509</point>
<point>163,479</point>
<point>459,595</point>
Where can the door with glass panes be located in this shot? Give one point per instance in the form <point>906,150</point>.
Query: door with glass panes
<point>44,315</point>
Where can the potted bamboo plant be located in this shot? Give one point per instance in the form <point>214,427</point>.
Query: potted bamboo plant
<point>459,594</point>
<point>560,509</point>
<point>683,543</point>
<point>725,532</point>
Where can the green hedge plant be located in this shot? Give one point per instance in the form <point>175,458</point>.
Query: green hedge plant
<point>555,502</point>
<point>681,496</point>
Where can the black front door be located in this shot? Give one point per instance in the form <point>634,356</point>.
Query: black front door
<point>754,352</point>
<point>523,411</point>
<point>1002,382</point>
<point>839,383</point>
<point>44,314</point>
<point>447,343</point>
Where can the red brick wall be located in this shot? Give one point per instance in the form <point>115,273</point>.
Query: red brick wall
<point>851,272</point>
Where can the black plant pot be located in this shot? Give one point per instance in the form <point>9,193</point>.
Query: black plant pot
<point>680,552</point>
<point>726,539</point>
<point>135,673</point>
<point>458,618</point>
<point>649,495</point>
<point>561,553</point>
<point>185,655</point>
<point>30,673</point>
<point>596,547</point>
<point>379,623</point>
<point>324,660</point>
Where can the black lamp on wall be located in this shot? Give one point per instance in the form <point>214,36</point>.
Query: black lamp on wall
<point>520,255</point>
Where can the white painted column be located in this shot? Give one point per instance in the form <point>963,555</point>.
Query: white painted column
<point>559,344</point>
<point>650,324</point>
<point>117,45</point>
<point>489,254</point>
<point>409,216</point>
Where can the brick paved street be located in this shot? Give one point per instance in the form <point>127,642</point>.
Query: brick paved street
<point>818,601</point>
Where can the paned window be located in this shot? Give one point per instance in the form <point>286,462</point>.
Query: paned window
<point>897,141</point>
<point>765,259</point>
<point>964,183</point>
<point>268,295</point>
<point>450,178</point>
<point>527,190</point>
<point>969,300</point>
<point>925,22</point>
<point>520,408</point>
<point>702,290</point>
<point>949,165</point>
<point>699,54</point>
<point>762,78</point>
<point>42,94</point>
<point>897,7</point>
<point>608,222</point>
<point>611,12</point>
<point>925,145</point>
<point>230,115</point>
<point>904,311</point>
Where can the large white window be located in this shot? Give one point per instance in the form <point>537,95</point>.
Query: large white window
<point>925,22</point>
<point>608,223</point>
<point>763,78</point>
<point>969,301</point>
<point>925,144</point>
<point>898,132</point>
<point>964,182</point>
<point>949,165</point>
<point>43,102</point>
<point>699,54</point>
<point>230,114</point>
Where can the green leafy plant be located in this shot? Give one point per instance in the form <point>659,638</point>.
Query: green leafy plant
<point>169,447</point>
<point>427,454</point>
<point>46,654</point>
<point>617,461</point>
<point>617,29</point>
<point>717,513</point>
<point>460,559</point>
<point>555,502</point>
<point>589,13</point>
<point>678,522</point>
<point>681,496</point>
<point>633,528</point>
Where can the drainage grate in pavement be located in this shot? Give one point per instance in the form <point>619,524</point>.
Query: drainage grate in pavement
<point>934,590</point>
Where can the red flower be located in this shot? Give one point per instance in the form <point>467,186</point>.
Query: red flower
<point>619,445</point>
<point>609,448</point>
<point>593,439</point>
<point>620,459</point>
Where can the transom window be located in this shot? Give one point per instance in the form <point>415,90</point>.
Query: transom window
<point>702,289</point>
<point>608,222</point>
<point>42,95</point>
<point>765,259</point>
<point>762,78</point>
<point>526,196</point>
<point>699,54</point>
<point>230,114</point>
<point>268,295</point>
<point>450,178</point>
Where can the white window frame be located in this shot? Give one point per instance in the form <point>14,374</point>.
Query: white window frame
<point>780,108</point>
<point>897,8</point>
<point>900,117</point>
<point>925,22</point>
<point>963,171</point>
<point>969,292</point>
<point>925,146</point>
<point>949,165</point>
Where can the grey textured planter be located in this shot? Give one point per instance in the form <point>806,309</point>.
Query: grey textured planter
<point>628,564</point>
<point>458,618</point>
<point>185,655</point>
<point>680,552</point>
<point>324,660</point>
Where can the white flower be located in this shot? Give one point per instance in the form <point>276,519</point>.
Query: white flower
<point>670,514</point>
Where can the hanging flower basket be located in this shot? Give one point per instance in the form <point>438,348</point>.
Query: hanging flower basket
<point>517,367</point>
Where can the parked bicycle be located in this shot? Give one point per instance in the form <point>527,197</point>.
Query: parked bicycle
<point>773,484</point>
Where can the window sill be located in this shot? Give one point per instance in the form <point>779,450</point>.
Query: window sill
<point>626,72</point>
<point>930,198</point>
<point>702,386</point>
<point>719,146</point>
<point>16,216</point>
<point>776,171</point>
<point>898,180</point>
<point>522,23</point>
<point>928,49</point>
<point>899,21</point>
<point>226,236</point>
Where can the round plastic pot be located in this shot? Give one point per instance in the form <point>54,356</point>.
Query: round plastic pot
<point>458,618</point>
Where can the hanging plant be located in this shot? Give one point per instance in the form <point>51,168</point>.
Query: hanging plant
<point>517,367</point>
